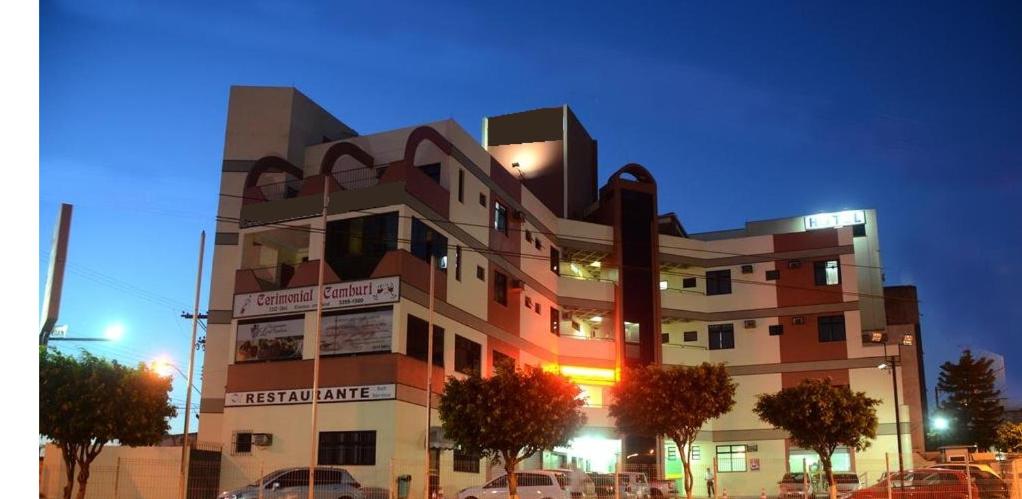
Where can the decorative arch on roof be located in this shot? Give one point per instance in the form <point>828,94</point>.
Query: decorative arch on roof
<point>638,172</point>
<point>270,164</point>
<point>425,133</point>
<point>341,149</point>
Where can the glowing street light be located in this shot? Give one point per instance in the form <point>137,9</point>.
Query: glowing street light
<point>114,332</point>
<point>163,367</point>
<point>940,423</point>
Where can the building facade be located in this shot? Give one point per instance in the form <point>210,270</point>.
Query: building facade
<point>532,261</point>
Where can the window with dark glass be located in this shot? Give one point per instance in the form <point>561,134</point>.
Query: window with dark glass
<point>691,336</point>
<point>432,171</point>
<point>665,338</point>
<point>831,328</point>
<point>718,282</point>
<point>776,329</point>
<point>499,288</point>
<point>500,217</point>
<point>290,479</point>
<point>461,186</point>
<point>555,260</point>
<point>354,246</point>
<point>773,275</point>
<point>466,462</point>
<point>347,448</point>
<point>482,199</point>
<point>731,458</point>
<point>555,321</point>
<point>468,355</point>
<point>243,442</point>
<point>417,340</point>
<point>827,273</point>
<point>426,241</point>
<point>480,273</point>
<point>722,336</point>
<point>688,282</point>
<point>457,262</point>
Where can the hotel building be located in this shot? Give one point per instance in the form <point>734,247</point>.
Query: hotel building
<point>532,260</point>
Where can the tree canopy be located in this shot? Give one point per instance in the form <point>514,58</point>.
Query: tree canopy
<point>821,417</point>
<point>511,415</point>
<point>970,400</point>
<point>1009,437</point>
<point>87,402</point>
<point>673,402</point>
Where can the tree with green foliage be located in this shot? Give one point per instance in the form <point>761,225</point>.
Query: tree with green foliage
<point>1009,437</point>
<point>672,402</point>
<point>970,400</point>
<point>87,402</point>
<point>511,415</point>
<point>820,416</point>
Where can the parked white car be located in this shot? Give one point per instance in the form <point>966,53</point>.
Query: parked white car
<point>580,485</point>
<point>287,483</point>
<point>635,483</point>
<point>532,484</point>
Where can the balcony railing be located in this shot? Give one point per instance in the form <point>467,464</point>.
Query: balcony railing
<point>359,178</point>
<point>281,190</point>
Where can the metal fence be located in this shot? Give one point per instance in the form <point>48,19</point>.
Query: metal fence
<point>212,472</point>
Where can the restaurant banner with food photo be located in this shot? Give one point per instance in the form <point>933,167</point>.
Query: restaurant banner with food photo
<point>276,339</point>
<point>362,331</point>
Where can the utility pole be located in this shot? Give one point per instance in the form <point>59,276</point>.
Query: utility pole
<point>55,274</point>
<point>429,372</point>
<point>313,440</point>
<point>191,371</point>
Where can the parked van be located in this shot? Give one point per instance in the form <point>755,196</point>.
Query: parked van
<point>580,485</point>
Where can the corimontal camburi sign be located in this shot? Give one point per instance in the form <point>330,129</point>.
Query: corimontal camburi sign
<point>337,295</point>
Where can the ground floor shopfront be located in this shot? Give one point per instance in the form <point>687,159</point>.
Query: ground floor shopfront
<point>380,439</point>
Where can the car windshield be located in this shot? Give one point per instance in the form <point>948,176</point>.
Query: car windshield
<point>562,480</point>
<point>922,477</point>
<point>604,480</point>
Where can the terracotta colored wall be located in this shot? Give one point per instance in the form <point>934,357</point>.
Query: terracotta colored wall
<point>508,246</point>
<point>801,343</point>
<point>334,371</point>
<point>504,317</point>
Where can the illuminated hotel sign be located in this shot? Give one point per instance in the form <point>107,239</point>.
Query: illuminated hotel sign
<point>336,295</point>
<point>304,396</point>
<point>837,219</point>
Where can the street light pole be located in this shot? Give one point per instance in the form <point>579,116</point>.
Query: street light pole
<point>897,409</point>
<point>191,369</point>
<point>429,372</point>
<point>313,440</point>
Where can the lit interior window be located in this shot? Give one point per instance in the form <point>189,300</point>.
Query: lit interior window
<point>833,277</point>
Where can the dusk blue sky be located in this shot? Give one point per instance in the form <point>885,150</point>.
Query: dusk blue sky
<point>742,111</point>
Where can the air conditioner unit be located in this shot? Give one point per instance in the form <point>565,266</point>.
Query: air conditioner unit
<point>746,269</point>
<point>794,264</point>
<point>798,321</point>
<point>262,439</point>
<point>517,284</point>
<point>750,323</point>
<point>519,216</point>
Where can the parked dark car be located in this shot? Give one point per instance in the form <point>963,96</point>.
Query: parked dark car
<point>990,485</point>
<point>926,483</point>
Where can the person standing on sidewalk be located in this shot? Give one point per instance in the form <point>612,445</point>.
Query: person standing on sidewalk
<point>709,482</point>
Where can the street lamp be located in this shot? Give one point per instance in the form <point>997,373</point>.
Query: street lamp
<point>940,423</point>
<point>891,363</point>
